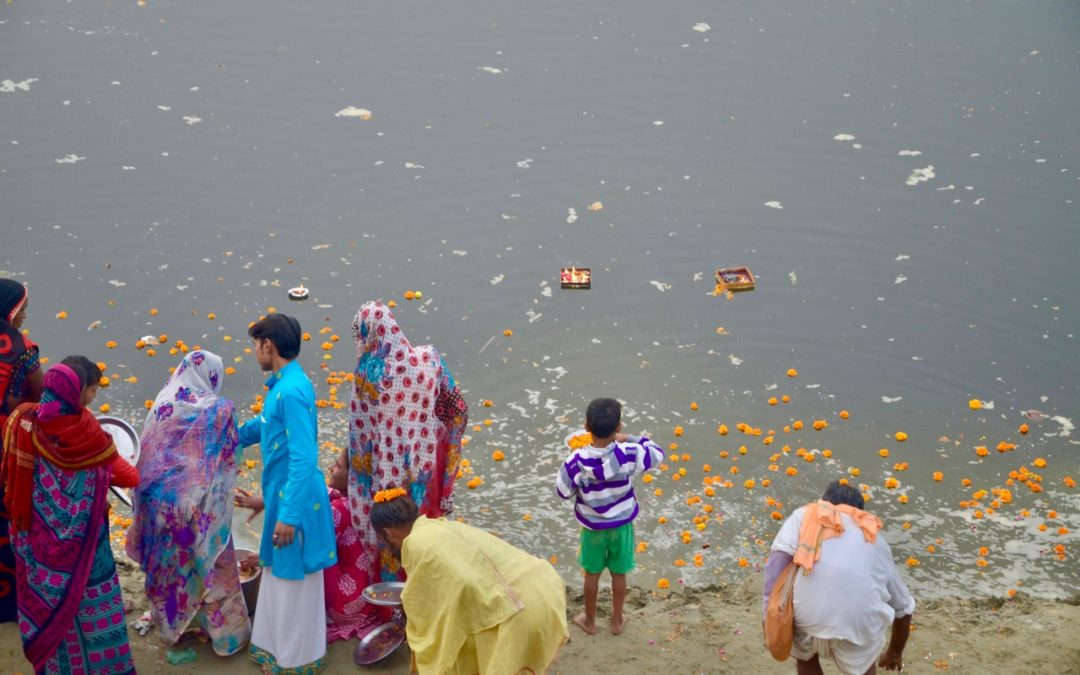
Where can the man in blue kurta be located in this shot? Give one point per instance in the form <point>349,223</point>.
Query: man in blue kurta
<point>289,632</point>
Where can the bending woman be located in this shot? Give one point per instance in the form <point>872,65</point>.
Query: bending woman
<point>58,464</point>
<point>407,422</point>
<point>182,534</point>
<point>20,382</point>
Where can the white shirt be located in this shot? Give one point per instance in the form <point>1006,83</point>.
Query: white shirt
<point>853,592</point>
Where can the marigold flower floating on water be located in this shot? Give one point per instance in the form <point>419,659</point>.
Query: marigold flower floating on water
<point>975,404</point>
<point>663,584</point>
<point>792,372</point>
<point>498,456</point>
<point>844,414</point>
<point>722,430</point>
<point>785,398</point>
<point>508,332</point>
<point>104,408</point>
<point>391,304</point>
<point>938,476</point>
<point>487,403</point>
<point>1023,429</point>
<point>743,562</point>
<point>884,452</point>
<point>912,562</point>
<point>891,483</point>
<point>1070,482</point>
<point>153,311</point>
<point>111,344</point>
<point>797,425</point>
<point>211,316</point>
<point>678,431</point>
<point>693,405</point>
<point>474,482</point>
<point>773,401</point>
<point>149,403</point>
<point>61,315</point>
<point>901,436</point>
<point>820,424</point>
<point>1039,463</point>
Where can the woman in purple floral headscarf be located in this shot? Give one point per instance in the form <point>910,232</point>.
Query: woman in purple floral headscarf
<point>182,532</point>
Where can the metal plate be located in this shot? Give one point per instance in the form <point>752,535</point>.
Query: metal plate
<point>127,441</point>
<point>385,593</point>
<point>379,643</point>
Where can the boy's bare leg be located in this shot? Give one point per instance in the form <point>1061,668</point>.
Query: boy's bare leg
<point>811,666</point>
<point>618,598</point>
<point>587,619</point>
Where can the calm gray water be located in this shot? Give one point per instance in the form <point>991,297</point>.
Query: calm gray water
<point>187,157</point>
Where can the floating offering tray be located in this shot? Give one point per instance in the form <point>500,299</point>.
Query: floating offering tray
<point>735,278</point>
<point>576,277</point>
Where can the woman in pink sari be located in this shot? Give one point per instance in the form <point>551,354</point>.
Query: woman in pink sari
<point>407,421</point>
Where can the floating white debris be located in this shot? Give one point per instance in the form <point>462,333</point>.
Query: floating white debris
<point>320,247</point>
<point>891,399</point>
<point>491,69</point>
<point>150,339</point>
<point>661,286</point>
<point>128,168</point>
<point>414,165</point>
<point>353,111</point>
<point>10,86</point>
<point>946,188</point>
<point>900,278</point>
<point>980,200</point>
<point>164,108</point>
<point>497,279</point>
<point>658,123</point>
<point>903,256</point>
<point>794,278</point>
<point>735,360</point>
<point>117,283</point>
<point>702,27</point>
<point>843,137</point>
<point>70,159</point>
<point>920,175</point>
<point>94,326</point>
<point>595,206</point>
<point>191,119</point>
<point>775,205</point>
<point>571,215</point>
<point>910,153</point>
<point>524,164</point>
<point>460,254</point>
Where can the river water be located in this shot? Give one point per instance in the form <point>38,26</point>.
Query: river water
<point>902,179</point>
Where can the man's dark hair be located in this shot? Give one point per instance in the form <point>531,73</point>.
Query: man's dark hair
<point>87,370</point>
<point>603,416</point>
<point>838,493</point>
<point>282,330</point>
<point>394,513</point>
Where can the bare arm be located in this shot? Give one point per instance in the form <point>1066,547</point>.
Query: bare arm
<point>893,657</point>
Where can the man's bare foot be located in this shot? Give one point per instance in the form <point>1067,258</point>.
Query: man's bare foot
<point>584,625</point>
<point>617,628</point>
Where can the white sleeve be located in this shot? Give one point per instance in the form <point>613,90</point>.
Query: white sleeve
<point>900,598</point>
<point>787,539</point>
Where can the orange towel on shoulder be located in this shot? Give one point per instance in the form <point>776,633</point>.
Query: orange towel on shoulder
<point>821,521</point>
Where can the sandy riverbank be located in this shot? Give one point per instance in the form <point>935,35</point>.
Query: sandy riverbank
<point>710,630</point>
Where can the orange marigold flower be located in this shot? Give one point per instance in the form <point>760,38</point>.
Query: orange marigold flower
<point>975,404</point>
<point>792,471</point>
<point>797,425</point>
<point>508,332</point>
<point>743,562</point>
<point>884,452</point>
<point>938,476</point>
<point>663,584</point>
<point>498,456</point>
<point>844,414</point>
<point>776,515</point>
<point>785,398</point>
<point>912,562</point>
<point>104,407</point>
<point>901,436</point>
<point>820,424</point>
<point>792,372</point>
<point>722,430</point>
<point>1023,428</point>
<point>891,483</point>
<point>1039,463</point>
<point>678,431</point>
<point>680,563</point>
<point>1070,482</point>
<point>981,451</point>
<point>693,405</point>
<point>773,401</point>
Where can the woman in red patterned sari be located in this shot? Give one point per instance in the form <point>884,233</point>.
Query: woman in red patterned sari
<point>20,381</point>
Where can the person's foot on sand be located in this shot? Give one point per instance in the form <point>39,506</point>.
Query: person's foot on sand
<point>584,625</point>
<point>617,628</point>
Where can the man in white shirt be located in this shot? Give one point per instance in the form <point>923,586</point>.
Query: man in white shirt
<point>850,593</point>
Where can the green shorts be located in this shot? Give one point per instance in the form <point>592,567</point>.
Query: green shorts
<point>612,549</point>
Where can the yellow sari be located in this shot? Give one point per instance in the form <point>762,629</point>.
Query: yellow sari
<point>476,604</point>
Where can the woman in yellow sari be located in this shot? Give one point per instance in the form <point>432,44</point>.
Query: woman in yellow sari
<point>474,604</point>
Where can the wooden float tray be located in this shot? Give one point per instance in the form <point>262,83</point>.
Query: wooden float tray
<point>736,279</point>
<point>575,278</point>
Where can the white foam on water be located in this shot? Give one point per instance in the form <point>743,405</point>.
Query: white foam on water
<point>353,111</point>
<point>843,137</point>
<point>794,277</point>
<point>980,200</point>
<point>903,256</point>
<point>701,27</point>
<point>533,315</point>
<point>491,69</point>
<point>460,254</point>
<point>900,278</point>
<point>920,175</point>
<point>571,216</point>
<point>946,188</point>
<point>117,283</point>
<point>70,159</point>
<point>320,247</point>
<point>660,285</point>
<point>191,119</point>
<point>891,399</point>
<point>128,168</point>
<point>414,165</point>
<point>525,163</point>
<point>10,86</point>
<point>910,153</point>
<point>497,279</point>
<point>735,360</point>
<point>658,123</point>
<point>775,205</point>
<point>1067,426</point>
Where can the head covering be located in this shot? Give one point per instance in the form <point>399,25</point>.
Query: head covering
<point>407,420</point>
<point>12,298</point>
<point>183,504</point>
<point>62,393</point>
<point>192,388</point>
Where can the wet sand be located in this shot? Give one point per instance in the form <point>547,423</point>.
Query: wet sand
<point>707,630</point>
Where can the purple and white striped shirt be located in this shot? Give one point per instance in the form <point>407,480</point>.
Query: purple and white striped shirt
<point>600,478</point>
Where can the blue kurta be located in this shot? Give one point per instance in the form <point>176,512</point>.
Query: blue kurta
<point>294,489</point>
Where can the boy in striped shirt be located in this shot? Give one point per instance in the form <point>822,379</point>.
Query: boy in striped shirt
<point>599,477</point>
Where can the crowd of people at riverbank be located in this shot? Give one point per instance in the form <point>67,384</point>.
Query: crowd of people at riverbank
<point>472,602</point>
